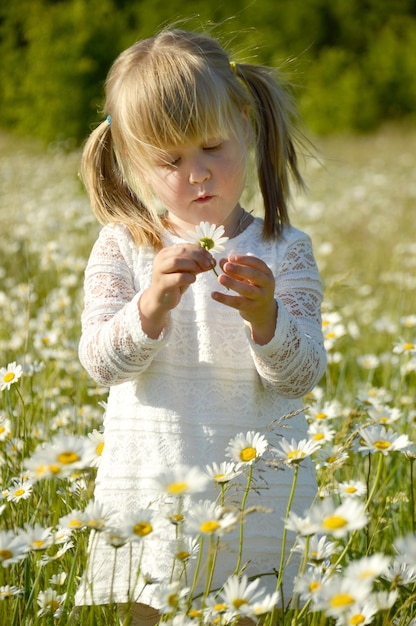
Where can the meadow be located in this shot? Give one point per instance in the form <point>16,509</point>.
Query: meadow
<point>358,542</point>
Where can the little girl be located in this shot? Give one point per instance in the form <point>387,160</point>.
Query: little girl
<point>193,356</point>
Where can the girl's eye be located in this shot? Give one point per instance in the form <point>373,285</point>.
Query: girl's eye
<point>174,162</point>
<point>213,147</point>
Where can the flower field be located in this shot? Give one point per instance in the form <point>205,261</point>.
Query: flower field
<point>357,542</point>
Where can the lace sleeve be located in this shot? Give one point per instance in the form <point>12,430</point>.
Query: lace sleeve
<point>294,360</point>
<point>113,347</point>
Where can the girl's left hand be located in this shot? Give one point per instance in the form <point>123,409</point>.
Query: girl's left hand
<point>254,283</point>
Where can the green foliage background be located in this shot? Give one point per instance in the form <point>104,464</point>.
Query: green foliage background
<point>353,62</point>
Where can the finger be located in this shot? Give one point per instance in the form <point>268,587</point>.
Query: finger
<point>256,274</point>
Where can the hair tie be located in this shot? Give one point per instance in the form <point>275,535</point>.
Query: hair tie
<point>108,119</point>
<point>233,67</point>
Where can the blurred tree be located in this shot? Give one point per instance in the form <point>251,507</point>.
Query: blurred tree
<point>353,61</point>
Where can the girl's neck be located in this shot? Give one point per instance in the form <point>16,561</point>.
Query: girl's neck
<point>240,222</point>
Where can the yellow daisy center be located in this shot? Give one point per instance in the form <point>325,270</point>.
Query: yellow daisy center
<point>173,600</point>
<point>176,488</point>
<point>5,555</point>
<point>207,243</point>
<point>2,430</point>
<point>321,416</point>
<point>295,454</point>
<point>342,599</point>
<point>99,449</point>
<point>19,492</point>
<point>331,459</point>
<point>54,469</point>
<point>39,543</point>
<point>382,444</point>
<point>68,457</point>
<point>183,555</point>
<point>248,454</point>
<point>7,378</point>
<point>237,602</point>
<point>408,346</point>
<point>219,476</point>
<point>220,607</point>
<point>359,618</point>
<point>314,586</point>
<point>351,489</point>
<point>210,526</point>
<point>75,523</point>
<point>333,522</point>
<point>142,529</point>
<point>318,436</point>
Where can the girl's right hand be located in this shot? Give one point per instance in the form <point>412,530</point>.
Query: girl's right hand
<point>174,269</point>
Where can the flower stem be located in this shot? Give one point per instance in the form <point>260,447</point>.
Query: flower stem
<point>243,506</point>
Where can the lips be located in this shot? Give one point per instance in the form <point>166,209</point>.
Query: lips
<point>204,198</point>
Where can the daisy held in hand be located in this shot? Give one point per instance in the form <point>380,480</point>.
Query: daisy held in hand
<point>209,237</point>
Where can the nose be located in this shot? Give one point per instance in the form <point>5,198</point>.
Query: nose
<point>198,173</point>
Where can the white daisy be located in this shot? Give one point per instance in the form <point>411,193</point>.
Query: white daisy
<point>331,456</point>
<point>75,520</point>
<point>50,603</point>
<point>319,548</point>
<point>240,595</point>
<point>338,596</point>
<point>368,568</point>
<point>10,591</point>
<point>181,480</point>
<point>320,433</point>
<point>308,584</point>
<point>94,446</point>
<point>303,526</point>
<point>324,412</point>
<point>379,439</point>
<point>363,613</point>
<point>384,414</point>
<point>208,236</point>
<point>403,347</point>
<point>12,548</point>
<point>96,516</point>
<point>338,521</point>
<point>368,361</point>
<point>37,537</point>
<point>294,452</point>
<point>5,427</point>
<point>20,490</point>
<point>246,448</point>
<point>10,375</point>
<point>400,574</point>
<point>208,518</point>
<point>171,597</point>
<point>139,524</point>
<point>352,489</point>
<point>223,472</point>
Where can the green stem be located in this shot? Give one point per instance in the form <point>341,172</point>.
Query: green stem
<point>212,559</point>
<point>284,537</point>
<point>243,506</point>
<point>197,568</point>
<point>376,480</point>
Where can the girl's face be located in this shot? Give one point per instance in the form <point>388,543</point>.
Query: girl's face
<point>201,182</point>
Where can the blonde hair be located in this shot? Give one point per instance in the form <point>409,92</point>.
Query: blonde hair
<point>170,89</point>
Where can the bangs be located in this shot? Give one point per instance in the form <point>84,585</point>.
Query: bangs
<point>184,100</point>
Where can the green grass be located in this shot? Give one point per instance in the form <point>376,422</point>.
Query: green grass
<point>359,212</point>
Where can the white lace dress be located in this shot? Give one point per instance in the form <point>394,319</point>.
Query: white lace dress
<point>179,399</point>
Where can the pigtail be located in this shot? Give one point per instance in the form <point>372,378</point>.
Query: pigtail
<point>111,198</point>
<point>276,156</point>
